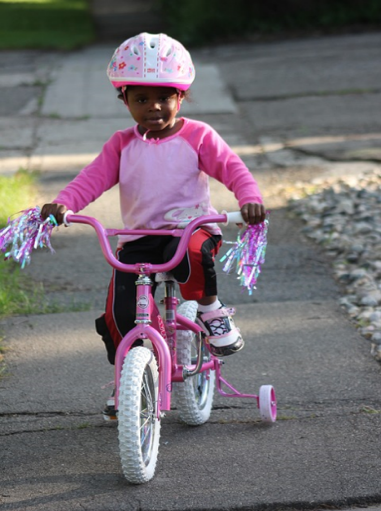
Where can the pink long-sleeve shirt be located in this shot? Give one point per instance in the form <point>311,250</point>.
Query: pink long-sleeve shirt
<point>163,183</point>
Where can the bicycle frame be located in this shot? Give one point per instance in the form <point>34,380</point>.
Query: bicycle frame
<point>149,324</point>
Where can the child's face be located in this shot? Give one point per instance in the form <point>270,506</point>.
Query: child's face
<point>153,108</point>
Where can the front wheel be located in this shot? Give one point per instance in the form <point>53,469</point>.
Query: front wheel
<point>138,425</point>
<point>194,396</point>
<point>267,403</point>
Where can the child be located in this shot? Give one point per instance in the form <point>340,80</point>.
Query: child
<point>162,167</point>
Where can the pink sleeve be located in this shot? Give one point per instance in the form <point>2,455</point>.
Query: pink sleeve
<point>94,179</point>
<point>219,161</point>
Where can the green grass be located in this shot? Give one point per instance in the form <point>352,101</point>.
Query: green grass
<point>45,24</point>
<point>3,367</point>
<point>16,193</point>
<point>18,294</point>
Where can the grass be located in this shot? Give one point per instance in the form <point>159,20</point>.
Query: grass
<point>3,367</point>
<point>18,294</point>
<point>45,24</point>
<point>16,193</point>
<point>369,409</point>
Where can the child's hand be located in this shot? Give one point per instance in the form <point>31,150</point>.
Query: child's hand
<point>253,213</point>
<point>57,210</point>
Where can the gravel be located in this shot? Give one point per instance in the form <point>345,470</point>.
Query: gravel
<point>344,216</point>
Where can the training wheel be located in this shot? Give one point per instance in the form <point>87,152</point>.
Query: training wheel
<point>267,403</point>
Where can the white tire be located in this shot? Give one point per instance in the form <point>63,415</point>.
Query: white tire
<point>194,396</point>
<point>138,425</point>
<point>267,403</point>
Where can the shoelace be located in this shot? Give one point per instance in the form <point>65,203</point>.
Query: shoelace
<point>218,326</point>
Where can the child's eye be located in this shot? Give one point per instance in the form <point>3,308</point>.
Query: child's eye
<point>141,100</point>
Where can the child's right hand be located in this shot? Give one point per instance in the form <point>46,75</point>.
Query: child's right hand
<point>57,210</point>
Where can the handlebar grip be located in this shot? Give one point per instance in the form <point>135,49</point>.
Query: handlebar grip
<point>234,216</point>
<point>65,221</point>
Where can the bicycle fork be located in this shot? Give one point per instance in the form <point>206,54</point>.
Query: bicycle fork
<point>146,314</point>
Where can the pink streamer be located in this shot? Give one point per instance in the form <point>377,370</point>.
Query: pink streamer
<point>25,233</point>
<point>248,254</point>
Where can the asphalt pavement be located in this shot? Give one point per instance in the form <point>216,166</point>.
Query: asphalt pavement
<point>296,111</point>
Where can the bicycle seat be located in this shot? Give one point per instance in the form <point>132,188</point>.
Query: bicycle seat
<point>165,276</point>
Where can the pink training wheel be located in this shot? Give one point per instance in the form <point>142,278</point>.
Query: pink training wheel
<point>267,403</point>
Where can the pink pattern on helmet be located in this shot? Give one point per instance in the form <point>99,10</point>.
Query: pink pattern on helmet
<point>151,59</point>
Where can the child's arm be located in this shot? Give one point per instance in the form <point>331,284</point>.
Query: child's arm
<point>97,177</point>
<point>218,160</point>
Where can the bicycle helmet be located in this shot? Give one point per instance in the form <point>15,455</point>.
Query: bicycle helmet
<point>151,59</point>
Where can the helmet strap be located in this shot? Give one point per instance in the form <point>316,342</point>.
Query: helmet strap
<point>124,92</point>
<point>179,99</point>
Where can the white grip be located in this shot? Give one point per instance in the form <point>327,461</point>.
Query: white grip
<point>234,216</point>
<point>68,212</point>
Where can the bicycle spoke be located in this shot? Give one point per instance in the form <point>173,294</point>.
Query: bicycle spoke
<point>146,417</point>
<point>145,433</point>
<point>146,393</point>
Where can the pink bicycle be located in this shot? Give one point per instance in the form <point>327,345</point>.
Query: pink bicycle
<point>174,358</point>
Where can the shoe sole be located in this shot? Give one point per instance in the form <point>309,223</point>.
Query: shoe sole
<point>225,351</point>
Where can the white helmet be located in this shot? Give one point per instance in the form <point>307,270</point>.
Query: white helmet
<point>151,59</point>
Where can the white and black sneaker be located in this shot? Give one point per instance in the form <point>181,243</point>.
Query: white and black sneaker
<point>223,337</point>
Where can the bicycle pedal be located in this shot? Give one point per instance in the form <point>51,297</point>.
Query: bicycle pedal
<point>109,413</point>
<point>109,418</point>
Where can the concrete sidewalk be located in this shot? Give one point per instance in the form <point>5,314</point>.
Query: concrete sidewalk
<point>80,111</point>
<point>56,451</point>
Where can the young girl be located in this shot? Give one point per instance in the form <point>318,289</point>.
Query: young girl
<point>162,166</point>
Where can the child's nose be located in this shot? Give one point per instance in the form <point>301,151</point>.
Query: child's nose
<point>155,105</point>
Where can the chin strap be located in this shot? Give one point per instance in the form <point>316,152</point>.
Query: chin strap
<point>179,99</point>
<point>124,92</point>
<point>145,135</point>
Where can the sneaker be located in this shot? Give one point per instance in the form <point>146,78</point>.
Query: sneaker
<point>109,413</point>
<point>223,337</point>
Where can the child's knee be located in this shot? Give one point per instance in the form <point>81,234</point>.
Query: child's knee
<point>103,331</point>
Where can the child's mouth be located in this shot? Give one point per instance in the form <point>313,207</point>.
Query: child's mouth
<point>155,120</point>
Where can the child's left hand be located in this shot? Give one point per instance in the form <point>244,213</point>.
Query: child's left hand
<point>253,213</point>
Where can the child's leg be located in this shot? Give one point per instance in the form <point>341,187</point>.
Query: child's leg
<point>119,317</point>
<point>198,281</point>
<point>196,274</point>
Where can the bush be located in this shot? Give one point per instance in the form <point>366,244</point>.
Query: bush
<point>48,24</point>
<point>200,21</point>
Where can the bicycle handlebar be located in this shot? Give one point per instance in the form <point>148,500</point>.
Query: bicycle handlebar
<point>147,268</point>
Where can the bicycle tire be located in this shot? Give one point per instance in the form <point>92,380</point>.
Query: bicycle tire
<point>194,396</point>
<point>138,425</point>
<point>267,404</point>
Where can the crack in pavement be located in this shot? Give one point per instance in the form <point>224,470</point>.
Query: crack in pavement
<point>291,411</point>
<point>46,414</point>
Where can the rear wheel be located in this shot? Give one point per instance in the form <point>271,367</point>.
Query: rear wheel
<point>194,396</point>
<point>138,425</point>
